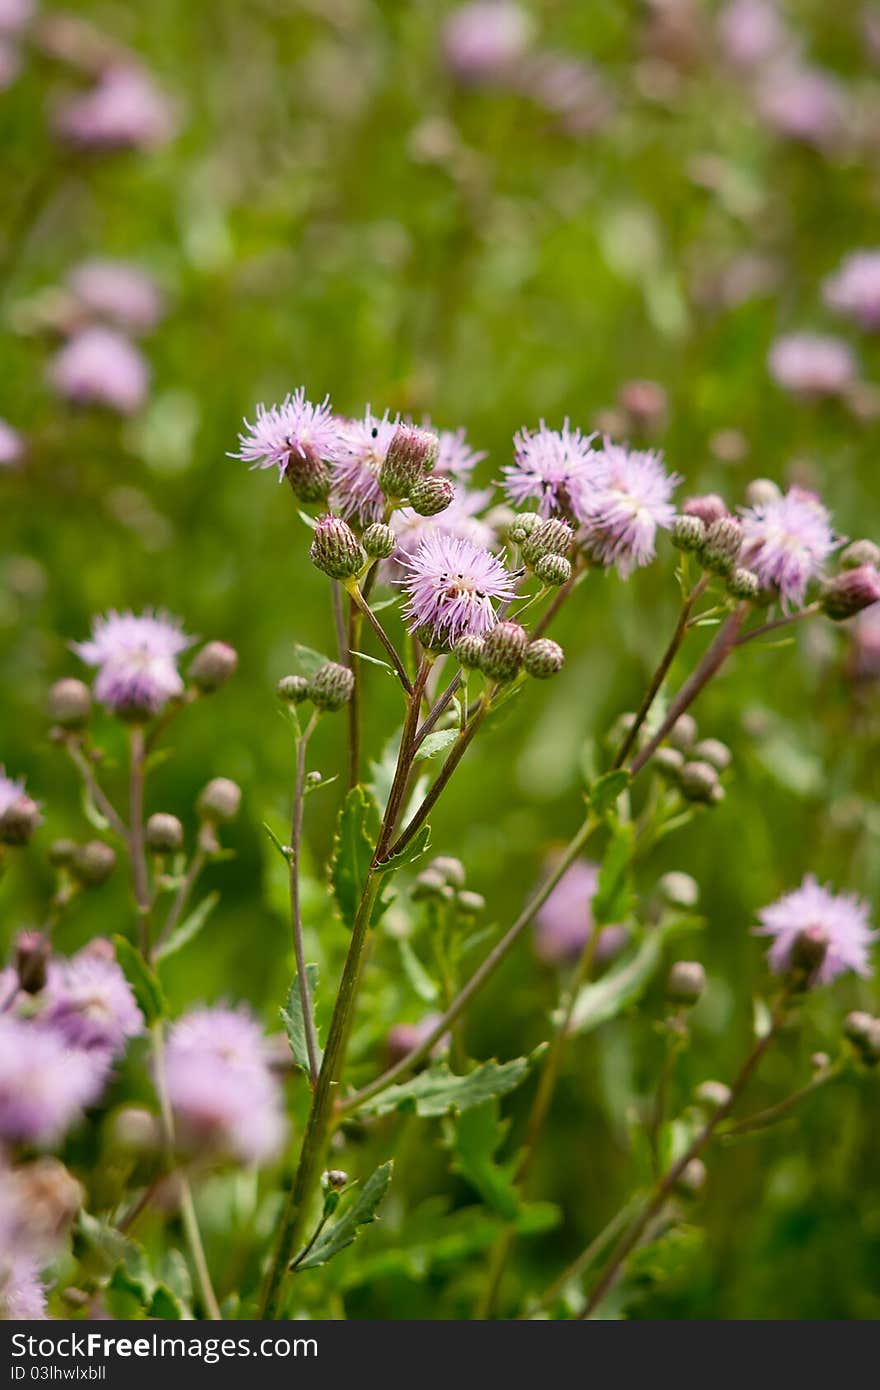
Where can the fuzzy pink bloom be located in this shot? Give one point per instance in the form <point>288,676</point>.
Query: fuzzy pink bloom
<point>550,467</point>
<point>452,585</point>
<point>752,32</point>
<point>15,15</point>
<point>223,1094</point>
<point>12,446</point>
<point>115,290</point>
<point>295,427</point>
<point>99,366</point>
<point>854,289</point>
<point>564,924</point>
<point>484,41</point>
<point>455,457</point>
<point>811,364</point>
<point>22,1295</point>
<point>11,790</point>
<point>44,1083</point>
<point>89,1002</point>
<point>623,504</point>
<point>355,491</point>
<point>404,1038</point>
<point>787,541</point>
<point>842,918</point>
<point>123,110</point>
<point>569,89</point>
<point>461,518</point>
<point>136,656</point>
<point>802,103</point>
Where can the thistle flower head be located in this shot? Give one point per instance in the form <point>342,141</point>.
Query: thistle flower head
<point>802,103</point>
<point>550,467</point>
<point>136,656</point>
<point>355,491</point>
<point>623,505</point>
<point>842,919</point>
<point>90,1003</point>
<point>125,294</point>
<point>11,790</point>
<point>851,591</point>
<point>300,439</point>
<point>786,542</point>
<point>12,446</point>
<point>483,41</point>
<point>45,1084</point>
<point>854,289</point>
<point>123,110</point>
<point>223,1094</point>
<point>22,1293</point>
<point>411,454</point>
<point>811,364</point>
<point>564,923</point>
<point>451,584</point>
<point>100,366</point>
<point>461,518</point>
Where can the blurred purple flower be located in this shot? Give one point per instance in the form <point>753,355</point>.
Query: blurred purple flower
<point>123,110</point>
<point>854,289</point>
<point>89,1002</point>
<point>622,505</point>
<point>355,491</point>
<point>787,541</point>
<point>451,584</point>
<point>296,426</point>
<point>22,1295</point>
<point>45,1084</point>
<point>811,364</point>
<point>842,918</point>
<point>752,32</point>
<point>15,15</point>
<point>136,656</point>
<point>220,1087</point>
<point>484,41</point>
<point>455,457</point>
<point>115,290</point>
<point>12,446</point>
<point>564,924</point>
<point>549,467</point>
<point>11,790</point>
<point>569,89</point>
<point>100,366</point>
<point>802,103</point>
<point>404,1038</point>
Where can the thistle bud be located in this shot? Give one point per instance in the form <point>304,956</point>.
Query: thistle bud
<point>70,704</point>
<point>679,889</point>
<point>806,957</point>
<point>449,869</point>
<point>213,666</point>
<point>761,492</point>
<point>292,689</point>
<point>336,1179</point>
<point>135,1130</point>
<point>93,863</point>
<point>331,686</point>
<point>550,537</point>
<point>722,546</point>
<point>688,533</point>
<point>859,553</point>
<point>685,982</point>
<point>61,852</point>
<point>432,640</point>
<point>863,1032</point>
<point>470,904</point>
<point>743,584</point>
<point>849,592</point>
<point>431,884</point>
<point>313,780</point>
<point>468,651</point>
<point>504,647</point>
<point>335,548</point>
<point>219,801</point>
<point>554,570</point>
<point>699,782</point>
<point>712,750</point>
<point>709,507</point>
<point>430,496</point>
<point>668,762</point>
<point>163,833</point>
<point>379,541</point>
<point>411,454</point>
<point>712,1094</point>
<point>692,1180</point>
<point>19,821</point>
<point>543,658</point>
<point>32,955</point>
<point>522,526</point>
<point>683,733</point>
<point>308,474</point>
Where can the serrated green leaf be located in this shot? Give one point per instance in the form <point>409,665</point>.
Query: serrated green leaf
<point>626,982</point>
<point>416,973</point>
<point>614,896</point>
<point>143,980</point>
<point>189,927</point>
<point>165,1304</point>
<point>438,1090</point>
<point>605,791</point>
<point>474,1137</point>
<point>346,1229</point>
<point>414,850</point>
<point>353,850</point>
<point>436,743</point>
<point>292,1018</point>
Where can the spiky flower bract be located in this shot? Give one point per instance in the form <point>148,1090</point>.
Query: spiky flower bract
<point>786,542</point>
<point>623,504</point>
<point>842,918</point>
<point>549,467</point>
<point>136,656</point>
<point>452,586</point>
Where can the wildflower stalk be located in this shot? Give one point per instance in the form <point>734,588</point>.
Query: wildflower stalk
<point>140,881</point>
<point>394,656</point>
<point>586,1257</point>
<point>95,791</point>
<point>182,896</point>
<point>339,622</point>
<point>665,1186</point>
<point>354,704</point>
<point>296,823</point>
<point>773,1113</point>
<point>809,612</point>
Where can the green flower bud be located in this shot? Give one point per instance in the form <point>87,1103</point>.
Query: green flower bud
<point>712,750</point>
<point>308,475</point>
<point>668,762</point>
<point>70,704</point>
<point>504,647</point>
<point>331,686</point>
<point>220,800</point>
<point>679,890</point>
<point>699,782</point>
<point>163,834</point>
<point>692,1180</point>
<point>293,689</point>
<point>379,541</point>
<point>761,492</point>
<point>431,884</point>
<point>431,640</point>
<point>683,733</point>
<point>93,863</point>
<point>135,1131</point>
<point>722,545</point>
<point>522,526</point>
<point>335,548</point>
<point>471,904</point>
<point>543,658</point>
<point>863,1032</point>
<point>711,1095</point>
<point>468,651</point>
<point>213,666</point>
<point>688,533</point>
<point>743,584</point>
<point>550,537</point>
<point>336,1179</point>
<point>411,454</point>
<point>19,821</point>
<point>685,982</point>
<point>859,553</point>
<point>553,569</point>
<point>451,870</point>
<point>849,592</point>
<point>430,496</point>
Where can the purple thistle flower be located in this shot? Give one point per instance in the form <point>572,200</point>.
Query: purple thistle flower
<point>461,518</point>
<point>455,457</point>
<point>115,290</point>
<point>222,1092</point>
<point>802,103</point>
<point>854,289</point>
<point>136,656</point>
<point>484,41</point>
<point>550,467</point>
<point>752,32</point>
<point>404,1038</point>
<point>11,790</point>
<point>91,1004</point>
<point>355,490</point>
<point>22,1295</point>
<point>44,1083</point>
<point>842,919</point>
<point>786,542</point>
<point>451,584</point>
<point>15,15</point>
<point>100,366</point>
<point>123,110</point>
<point>564,924</point>
<point>623,505</point>
<point>811,364</point>
<point>295,427</point>
<point>12,447</point>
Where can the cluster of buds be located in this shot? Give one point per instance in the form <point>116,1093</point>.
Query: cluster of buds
<point>857,586</point>
<point>863,1031</point>
<point>405,475</point>
<point>506,650</point>
<point>86,865</point>
<point>443,881</point>
<point>692,764</point>
<point>706,530</point>
<point>545,546</point>
<point>330,688</point>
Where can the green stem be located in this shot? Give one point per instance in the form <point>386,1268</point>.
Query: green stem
<point>764,1118</point>
<point>586,1257</point>
<point>296,824</point>
<point>383,637</point>
<point>140,880</point>
<point>354,704</point>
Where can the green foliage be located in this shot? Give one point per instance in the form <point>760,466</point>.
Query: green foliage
<point>353,850</point>
<point>144,981</point>
<point>438,1090</point>
<point>292,1018</point>
<point>347,1227</point>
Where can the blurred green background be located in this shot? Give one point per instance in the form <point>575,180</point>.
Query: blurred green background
<point>337,211</point>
